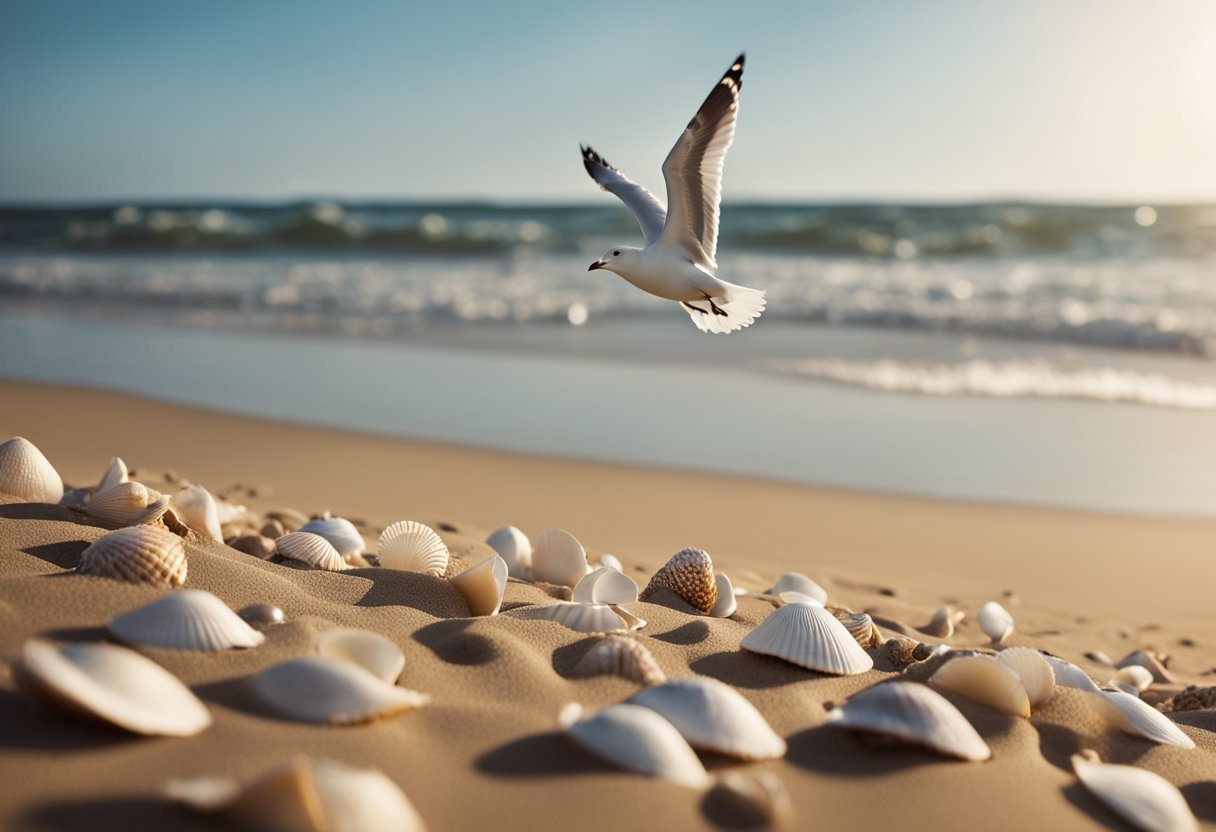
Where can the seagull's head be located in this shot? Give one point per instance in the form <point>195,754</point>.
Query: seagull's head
<point>615,259</point>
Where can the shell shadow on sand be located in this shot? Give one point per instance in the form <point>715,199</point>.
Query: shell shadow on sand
<point>116,813</point>
<point>694,632</point>
<point>39,726</point>
<point>65,555</point>
<point>539,755</point>
<point>1201,797</point>
<point>450,641</point>
<point>830,750</point>
<point>397,588</point>
<point>750,670</point>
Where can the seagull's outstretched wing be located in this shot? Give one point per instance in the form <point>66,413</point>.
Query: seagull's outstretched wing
<point>646,208</point>
<point>693,171</point>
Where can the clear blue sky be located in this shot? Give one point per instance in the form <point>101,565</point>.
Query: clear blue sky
<point>943,99</point>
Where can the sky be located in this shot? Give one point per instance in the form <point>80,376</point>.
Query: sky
<point>1085,100</point>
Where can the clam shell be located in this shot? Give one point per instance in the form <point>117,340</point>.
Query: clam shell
<point>339,532</point>
<point>612,562</point>
<point>860,626</point>
<point>413,547</point>
<point>1069,675</point>
<point>690,574</point>
<point>941,625</point>
<point>712,716</point>
<point>620,656</point>
<point>1131,715</point>
<point>311,549</point>
<point>513,546</point>
<point>127,504</point>
<point>726,603</point>
<point>606,586</point>
<point>809,636</point>
<point>797,582</point>
<point>636,739</point>
<point>195,507</point>
<point>558,558</point>
<point>995,621</point>
<point>483,585</point>
<point>1149,662</point>
<point>116,472</point>
<point>331,691</point>
<point>112,684</point>
<point>371,651</point>
<point>914,713</point>
<point>1137,676</point>
<point>984,680</point>
<point>26,474</point>
<point>582,618</point>
<point>1146,800</point>
<point>1033,669</point>
<point>187,620</point>
<point>138,555</point>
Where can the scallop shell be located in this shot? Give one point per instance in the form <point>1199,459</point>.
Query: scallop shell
<point>984,680</point>
<point>413,547</point>
<point>606,586</point>
<point>195,507</point>
<point>513,546</point>
<point>914,713</point>
<point>371,651</point>
<point>797,582</point>
<point>612,562</point>
<point>620,656</point>
<point>112,684</point>
<point>712,716</point>
<point>690,574</point>
<point>1137,676</point>
<point>1069,675</point>
<point>809,636</point>
<point>1149,662</point>
<point>1146,800</point>
<point>339,532</point>
<point>187,620</point>
<point>582,618</point>
<point>311,549</point>
<point>860,626</point>
<point>127,504</point>
<point>635,739</point>
<point>1131,715</point>
<point>116,472</point>
<point>941,625</point>
<point>26,474</point>
<point>726,603</point>
<point>1033,669</point>
<point>752,799</point>
<point>558,558</point>
<point>138,555</point>
<point>331,691</point>
<point>483,585</point>
<point>995,621</point>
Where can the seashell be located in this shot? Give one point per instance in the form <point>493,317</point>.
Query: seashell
<point>752,799</point>
<point>339,532</point>
<point>995,621</point>
<point>712,716</point>
<point>1138,676</point>
<point>370,651</point>
<point>1149,662</point>
<point>582,618</point>
<point>797,582</point>
<point>195,507</point>
<point>792,597</point>
<point>860,626</point>
<point>331,691</point>
<point>984,680</point>
<point>726,603</point>
<point>809,636</point>
<point>1070,676</point>
<point>112,684</point>
<point>606,586</point>
<point>138,555</point>
<point>1131,715</point>
<point>1033,669</point>
<point>1192,698</point>
<point>26,474</point>
<point>413,547</point>
<point>483,585</point>
<point>635,739</point>
<point>127,504</point>
<point>620,656</point>
<point>1123,686</point>
<point>228,512</point>
<point>612,562</point>
<point>690,574</point>
<point>631,621</point>
<point>902,651</point>
<point>513,546</point>
<point>941,625</point>
<point>187,620</point>
<point>1146,800</point>
<point>913,713</point>
<point>1100,657</point>
<point>261,616</point>
<point>116,472</point>
<point>311,549</point>
<point>558,558</point>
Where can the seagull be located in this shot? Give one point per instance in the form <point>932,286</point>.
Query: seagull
<point>678,260</point>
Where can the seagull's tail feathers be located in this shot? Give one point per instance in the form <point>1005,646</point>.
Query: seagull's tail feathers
<point>741,306</point>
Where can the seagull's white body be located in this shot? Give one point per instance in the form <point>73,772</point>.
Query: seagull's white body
<point>678,261</point>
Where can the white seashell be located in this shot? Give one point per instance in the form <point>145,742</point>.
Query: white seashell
<point>1033,669</point>
<point>311,549</point>
<point>636,739</point>
<point>1131,715</point>
<point>138,555</point>
<point>27,474</point>
<point>797,582</point>
<point>621,656</point>
<point>941,625</point>
<point>612,562</point>
<point>195,507</point>
<point>984,680</point>
<point>606,586</point>
<point>341,533</point>
<point>116,472</point>
<point>483,585</point>
<point>712,716</point>
<point>1146,800</point>
<point>914,713</point>
<point>1070,676</point>
<point>113,684</point>
<point>558,558</point>
<point>995,621</point>
<point>331,691</point>
<point>582,618</point>
<point>631,621</point>
<point>1135,675</point>
<point>187,620</point>
<point>792,597</point>
<point>809,636</point>
<point>1123,686</point>
<point>1100,657</point>
<point>371,651</point>
<point>513,546</point>
<point>127,504</point>
<point>726,603</point>
<point>413,547</point>
<point>1149,662</point>
<point>228,512</point>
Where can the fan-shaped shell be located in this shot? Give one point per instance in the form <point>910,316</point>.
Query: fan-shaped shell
<point>112,684</point>
<point>1149,662</point>
<point>995,621</point>
<point>371,651</point>
<point>331,691</point>
<point>187,620</point>
<point>128,504</point>
<point>797,582</point>
<point>138,555</point>
<point>725,604</point>
<point>582,618</point>
<point>483,585</point>
<point>984,680</point>
<point>689,574</point>
<point>636,739</point>
<point>620,656</point>
<point>606,586</point>
<point>860,626</point>
<point>413,547</point>
<point>116,472</point>
<point>1146,800</point>
<point>809,636</point>
<point>339,532</point>
<point>311,549</point>
<point>1132,715</point>
<point>1033,669</point>
<point>196,507</point>
<point>558,558</point>
<point>26,474</point>
<point>916,714</point>
<point>712,716</point>
<point>1135,675</point>
<point>514,547</point>
<point>1069,675</point>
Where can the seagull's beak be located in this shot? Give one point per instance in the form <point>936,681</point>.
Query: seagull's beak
<point>598,264</point>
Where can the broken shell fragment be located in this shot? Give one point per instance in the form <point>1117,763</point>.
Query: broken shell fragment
<point>483,585</point>
<point>620,656</point>
<point>1146,800</point>
<point>138,555</point>
<point>809,636</point>
<point>116,472</point>
<point>331,691</point>
<point>311,550</point>
<point>196,507</point>
<point>513,546</point>
<point>413,547</point>
<point>636,739</point>
<point>558,558</point>
<point>995,621</point>
<point>689,574</point>
<point>726,603</point>
<point>1033,669</point>
<point>371,651</point>
<point>915,714</point>
<point>341,533</point>
<point>1133,716</point>
<point>582,618</point>
<point>606,586</point>
<point>712,716</point>
<point>190,619</point>
<point>797,582</point>
<point>26,474</point>
<point>984,680</point>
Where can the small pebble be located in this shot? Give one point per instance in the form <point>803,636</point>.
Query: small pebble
<point>261,616</point>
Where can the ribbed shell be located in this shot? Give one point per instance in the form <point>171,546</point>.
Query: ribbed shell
<point>860,626</point>
<point>1144,799</point>
<point>606,586</point>
<point>1033,669</point>
<point>128,504</point>
<point>916,714</point>
<point>726,603</point>
<point>558,558</point>
<point>311,549</point>
<point>797,582</point>
<point>138,555</point>
<point>26,474</point>
<point>483,585</point>
<point>995,621</point>
<point>1132,715</point>
<point>621,656</point>
<point>809,636</point>
<point>187,620</point>
<point>513,546</point>
<point>690,574</point>
<point>712,716</point>
<point>984,680</point>
<point>413,547</point>
<point>196,507</point>
<point>116,472</point>
<point>331,691</point>
<point>339,532</point>
<point>582,618</point>
<point>371,651</point>
<point>636,739</point>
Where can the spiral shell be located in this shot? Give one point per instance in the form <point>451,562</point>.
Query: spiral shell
<point>138,555</point>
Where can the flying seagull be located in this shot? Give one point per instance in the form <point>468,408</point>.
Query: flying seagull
<point>678,260</point>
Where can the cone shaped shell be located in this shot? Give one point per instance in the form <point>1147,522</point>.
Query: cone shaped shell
<point>809,636</point>
<point>984,680</point>
<point>311,549</point>
<point>558,558</point>
<point>330,691</point>
<point>1132,715</point>
<point>187,620</point>
<point>1146,800</point>
<point>483,585</point>
<point>725,604</point>
<point>339,532</point>
<point>1069,675</point>
<point>606,586</point>
<point>196,507</point>
<point>690,574</point>
<point>582,618</point>
<point>513,546</point>
<point>995,621</point>
<point>115,685</point>
<point>116,472</point>
<point>127,504</point>
<point>371,651</point>
<point>797,582</point>
<point>636,739</point>
<point>413,547</point>
<point>914,713</point>
<point>26,474</point>
<point>620,656</point>
<point>138,555</point>
<point>1033,669</point>
<point>712,716</point>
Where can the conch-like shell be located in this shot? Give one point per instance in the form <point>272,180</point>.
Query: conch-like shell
<point>1146,800</point>
<point>196,507</point>
<point>187,620</point>
<point>635,739</point>
<point>712,716</point>
<point>582,618</point>
<point>112,684</point>
<point>1132,715</point>
<point>1069,675</point>
<point>606,586</point>
<point>311,549</point>
<point>371,651</point>
<point>797,582</point>
<point>941,625</point>
<point>860,626</point>
<point>995,621</point>
<point>339,532</point>
<point>621,656</point>
<point>558,558</point>
<point>128,504</point>
<point>690,574</point>
<point>513,546</point>
<point>725,604</point>
<point>1033,669</point>
<point>331,691</point>
<point>413,547</point>
<point>985,680</point>
<point>138,555</point>
<point>483,585</point>
<point>1149,662</point>
<point>916,714</point>
<point>116,472</point>
<point>809,636</point>
<point>26,474</point>
<point>1138,676</point>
